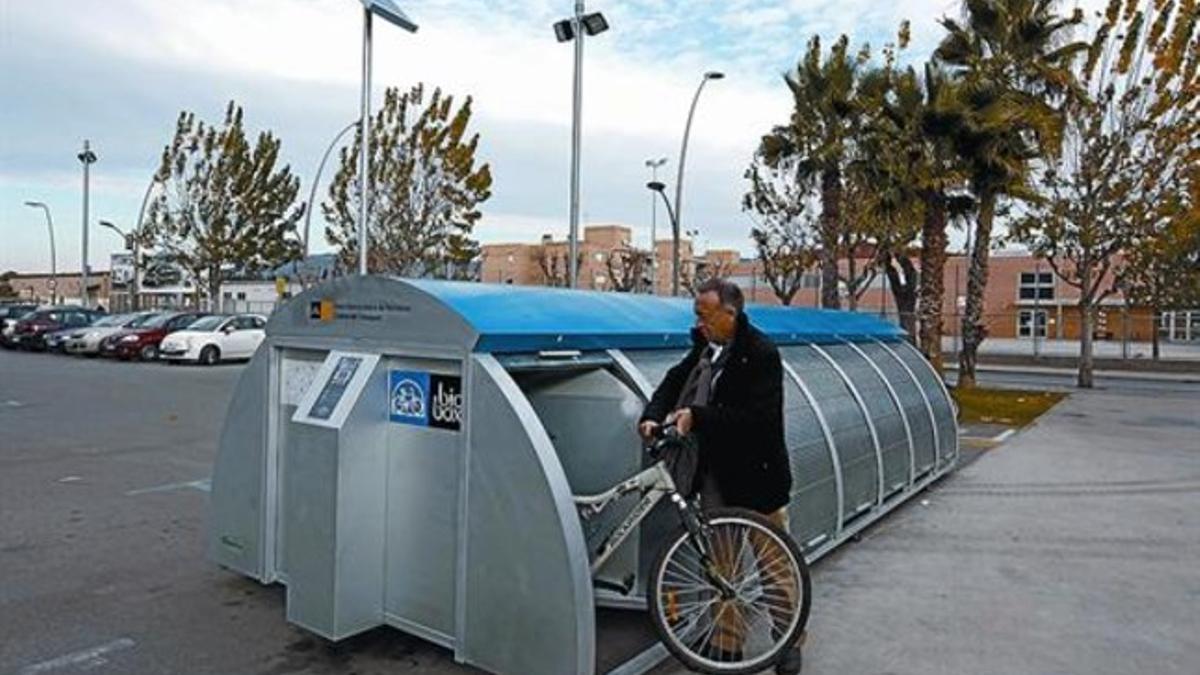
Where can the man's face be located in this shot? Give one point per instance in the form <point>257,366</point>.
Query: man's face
<point>714,321</point>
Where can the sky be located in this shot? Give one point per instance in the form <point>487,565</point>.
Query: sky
<point>119,72</point>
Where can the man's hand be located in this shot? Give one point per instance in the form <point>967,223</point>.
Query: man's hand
<point>682,419</point>
<point>647,428</point>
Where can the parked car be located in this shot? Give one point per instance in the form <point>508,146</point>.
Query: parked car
<point>31,330</point>
<point>9,315</point>
<point>57,341</point>
<point>143,341</point>
<point>87,341</point>
<point>214,339</point>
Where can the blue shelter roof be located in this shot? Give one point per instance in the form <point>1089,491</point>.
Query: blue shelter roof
<point>535,318</point>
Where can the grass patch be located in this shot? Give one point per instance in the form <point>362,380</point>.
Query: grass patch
<point>1003,406</point>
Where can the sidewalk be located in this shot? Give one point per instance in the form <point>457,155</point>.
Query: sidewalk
<point>1102,349</point>
<point>1070,549</point>
<point>1050,370</point>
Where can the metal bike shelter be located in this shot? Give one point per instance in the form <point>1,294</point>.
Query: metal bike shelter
<point>404,452</point>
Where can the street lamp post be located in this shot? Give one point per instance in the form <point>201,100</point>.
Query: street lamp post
<point>654,164</point>
<point>87,158</point>
<point>133,245</point>
<point>391,13</point>
<point>53,255</point>
<point>574,29</point>
<point>312,194</point>
<point>673,216</point>
<point>711,75</point>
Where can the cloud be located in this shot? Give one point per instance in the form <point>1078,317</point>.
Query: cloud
<point>119,72</point>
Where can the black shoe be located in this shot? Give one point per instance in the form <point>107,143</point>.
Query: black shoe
<point>791,662</point>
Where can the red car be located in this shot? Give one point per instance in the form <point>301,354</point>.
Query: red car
<point>142,342</point>
<point>31,331</point>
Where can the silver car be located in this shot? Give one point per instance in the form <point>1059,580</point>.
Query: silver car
<point>86,341</point>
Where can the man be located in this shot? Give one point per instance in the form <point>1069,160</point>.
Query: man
<point>728,391</point>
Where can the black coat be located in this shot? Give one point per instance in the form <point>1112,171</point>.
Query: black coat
<point>741,430</point>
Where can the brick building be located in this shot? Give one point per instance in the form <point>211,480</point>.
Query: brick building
<point>65,287</point>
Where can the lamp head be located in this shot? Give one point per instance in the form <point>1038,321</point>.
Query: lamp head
<point>714,75</point>
<point>35,205</point>
<point>595,23</point>
<point>656,185</point>
<point>564,31</point>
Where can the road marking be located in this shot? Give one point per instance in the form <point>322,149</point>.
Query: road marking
<point>1003,435</point>
<point>204,485</point>
<point>13,404</point>
<point>69,479</point>
<point>86,658</point>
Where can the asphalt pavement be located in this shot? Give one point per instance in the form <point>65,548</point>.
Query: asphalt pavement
<point>103,502</point>
<point>1068,548</point>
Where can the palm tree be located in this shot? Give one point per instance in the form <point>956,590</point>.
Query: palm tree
<point>1013,63</point>
<point>825,113</point>
<point>919,175</point>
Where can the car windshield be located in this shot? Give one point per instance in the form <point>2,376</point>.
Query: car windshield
<point>140,320</point>
<point>113,320</point>
<point>158,321</point>
<point>208,323</point>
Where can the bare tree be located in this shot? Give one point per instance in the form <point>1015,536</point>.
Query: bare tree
<point>628,268</point>
<point>1130,134</point>
<point>784,231</point>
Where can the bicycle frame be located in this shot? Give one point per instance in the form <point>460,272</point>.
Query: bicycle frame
<point>654,483</point>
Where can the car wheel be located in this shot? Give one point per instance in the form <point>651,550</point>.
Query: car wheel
<point>149,353</point>
<point>209,356</point>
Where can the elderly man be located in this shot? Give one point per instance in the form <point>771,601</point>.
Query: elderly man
<point>728,391</point>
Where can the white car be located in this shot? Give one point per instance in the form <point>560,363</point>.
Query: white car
<point>215,338</point>
<point>86,340</point>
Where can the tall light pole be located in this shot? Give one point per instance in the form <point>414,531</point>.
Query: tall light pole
<point>53,255</point>
<point>574,29</point>
<point>711,75</point>
<point>388,10</point>
<point>654,164</point>
<point>87,158</point>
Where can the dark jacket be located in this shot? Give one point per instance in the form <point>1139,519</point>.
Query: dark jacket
<point>741,430</point>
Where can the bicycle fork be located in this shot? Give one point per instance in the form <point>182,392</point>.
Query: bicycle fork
<point>698,536</point>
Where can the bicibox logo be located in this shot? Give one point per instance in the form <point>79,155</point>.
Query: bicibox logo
<point>446,404</point>
<point>408,393</point>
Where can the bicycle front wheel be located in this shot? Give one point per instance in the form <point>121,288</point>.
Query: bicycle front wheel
<point>737,609</point>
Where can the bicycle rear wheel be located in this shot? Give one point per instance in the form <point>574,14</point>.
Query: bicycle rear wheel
<point>764,612</point>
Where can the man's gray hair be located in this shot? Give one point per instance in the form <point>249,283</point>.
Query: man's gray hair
<point>727,292</point>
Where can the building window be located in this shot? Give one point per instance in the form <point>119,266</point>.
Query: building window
<point>1036,286</point>
<point>241,296</point>
<point>1031,322</point>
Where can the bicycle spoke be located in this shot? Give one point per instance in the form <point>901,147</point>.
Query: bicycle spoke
<point>686,575</point>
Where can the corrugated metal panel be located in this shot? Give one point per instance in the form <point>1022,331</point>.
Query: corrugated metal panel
<point>847,424</point>
<point>813,510</point>
<point>943,407</point>
<point>889,426</point>
<point>913,402</point>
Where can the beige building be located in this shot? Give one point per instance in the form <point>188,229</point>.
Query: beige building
<point>63,288</point>
<point>608,260</point>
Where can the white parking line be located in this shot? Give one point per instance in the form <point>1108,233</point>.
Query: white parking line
<point>13,404</point>
<point>1003,435</point>
<point>204,485</point>
<point>84,659</point>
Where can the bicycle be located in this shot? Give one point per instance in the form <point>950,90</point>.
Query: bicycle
<point>730,591</point>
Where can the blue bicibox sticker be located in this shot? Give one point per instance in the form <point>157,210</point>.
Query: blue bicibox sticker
<point>408,397</point>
